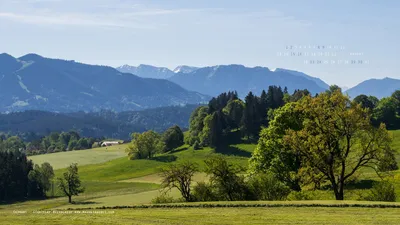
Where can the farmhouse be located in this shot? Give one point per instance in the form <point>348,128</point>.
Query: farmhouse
<point>109,143</point>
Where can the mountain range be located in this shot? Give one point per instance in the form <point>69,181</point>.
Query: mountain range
<point>34,82</point>
<point>216,79</point>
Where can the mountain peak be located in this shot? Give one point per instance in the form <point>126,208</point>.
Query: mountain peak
<point>147,71</point>
<point>31,57</point>
<point>5,55</point>
<point>184,69</point>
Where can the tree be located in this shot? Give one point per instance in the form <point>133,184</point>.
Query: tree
<point>145,145</point>
<point>179,176</point>
<point>337,138</point>
<point>234,111</point>
<point>333,88</point>
<point>365,101</point>
<point>14,170</point>
<point>196,124</point>
<point>386,112</point>
<point>13,144</point>
<point>70,184</point>
<point>40,179</point>
<point>213,129</point>
<point>298,94</point>
<point>272,155</point>
<point>224,176</point>
<point>173,138</point>
<point>249,120</point>
<point>396,95</point>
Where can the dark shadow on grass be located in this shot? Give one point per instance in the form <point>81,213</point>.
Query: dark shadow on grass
<point>21,200</point>
<point>231,150</point>
<point>84,203</point>
<point>165,158</point>
<point>361,184</point>
<point>178,150</point>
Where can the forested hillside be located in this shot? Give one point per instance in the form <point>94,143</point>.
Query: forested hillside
<point>31,124</point>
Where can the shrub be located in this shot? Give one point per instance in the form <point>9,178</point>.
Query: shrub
<point>204,192</point>
<point>224,177</point>
<point>382,191</point>
<point>162,198</point>
<point>267,187</point>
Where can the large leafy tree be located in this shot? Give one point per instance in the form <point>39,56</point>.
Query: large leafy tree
<point>234,112</point>
<point>70,183</point>
<point>396,95</point>
<point>365,101</point>
<point>173,138</point>
<point>40,179</point>
<point>196,124</point>
<point>272,155</point>
<point>337,138</point>
<point>386,112</point>
<point>214,125</point>
<point>145,145</point>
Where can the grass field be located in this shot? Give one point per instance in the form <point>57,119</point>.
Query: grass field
<point>112,180</point>
<point>240,215</point>
<point>82,157</point>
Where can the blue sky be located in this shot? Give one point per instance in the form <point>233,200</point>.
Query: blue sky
<point>209,32</point>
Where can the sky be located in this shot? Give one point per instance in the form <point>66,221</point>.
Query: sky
<point>212,32</point>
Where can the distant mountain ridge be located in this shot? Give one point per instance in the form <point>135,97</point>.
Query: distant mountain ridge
<point>318,81</point>
<point>147,71</point>
<point>376,87</point>
<point>216,79</point>
<point>33,82</point>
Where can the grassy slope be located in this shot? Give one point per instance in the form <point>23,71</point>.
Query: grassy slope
<point>118,181</point>
<point>82,157</point>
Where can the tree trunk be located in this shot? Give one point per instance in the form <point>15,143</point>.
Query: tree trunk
<point>340,192</point>
<point>69,198</point>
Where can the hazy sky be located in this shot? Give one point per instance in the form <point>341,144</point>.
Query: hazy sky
<point>210,32</point>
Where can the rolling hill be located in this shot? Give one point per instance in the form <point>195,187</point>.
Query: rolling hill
<point>39,83</point>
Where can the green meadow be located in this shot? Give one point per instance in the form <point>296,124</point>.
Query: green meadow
<point>111,180</point>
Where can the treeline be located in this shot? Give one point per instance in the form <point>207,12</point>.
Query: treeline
<point>209,125</point>
<point>55,142</point>
<point>21,179</point>
<point>146,145</point>
<point>385,110</point>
